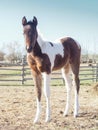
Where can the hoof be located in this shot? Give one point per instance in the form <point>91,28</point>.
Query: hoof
<point>65,114</point>
<point>75,115</point>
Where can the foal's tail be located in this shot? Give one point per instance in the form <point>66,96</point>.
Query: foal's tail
<point>79,52</point>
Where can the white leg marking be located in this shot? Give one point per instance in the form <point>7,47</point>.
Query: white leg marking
<point>38,111</point>
<point>47,95</point>
<point>76,105</point>
<point>68,82</point>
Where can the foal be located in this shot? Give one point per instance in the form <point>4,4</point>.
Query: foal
<point>44,57</point>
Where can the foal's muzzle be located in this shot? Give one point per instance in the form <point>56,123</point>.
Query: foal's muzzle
<point>29,49</point>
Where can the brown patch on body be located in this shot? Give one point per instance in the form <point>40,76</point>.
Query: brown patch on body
<point>59,62</point>
<point>39,59</point>
<point>71,49</point>
<point>71,54</point>
<point>41,64</point>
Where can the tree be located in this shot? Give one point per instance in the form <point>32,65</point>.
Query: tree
<point>2,54</point>
<point>13,52</point>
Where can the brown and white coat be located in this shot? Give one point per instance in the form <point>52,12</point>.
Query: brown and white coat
<point>44,57</point>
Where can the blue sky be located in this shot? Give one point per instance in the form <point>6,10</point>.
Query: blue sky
<point>56,18</point>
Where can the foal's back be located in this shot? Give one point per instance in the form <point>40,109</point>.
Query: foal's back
<point>71,53</point>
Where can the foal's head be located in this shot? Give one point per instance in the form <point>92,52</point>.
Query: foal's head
<point>30,33</point>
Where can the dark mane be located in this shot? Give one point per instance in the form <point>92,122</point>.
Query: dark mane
<point>30,23</point>
<point>37,50</point>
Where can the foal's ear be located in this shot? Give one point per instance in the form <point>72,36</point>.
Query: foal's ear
<point>35,22</point>
<point>24,21</point>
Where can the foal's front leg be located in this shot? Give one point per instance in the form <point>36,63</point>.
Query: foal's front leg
<point>38,86</point>
<point>47,94</point>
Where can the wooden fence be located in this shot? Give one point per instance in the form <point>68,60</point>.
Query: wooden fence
<point>16,74</point>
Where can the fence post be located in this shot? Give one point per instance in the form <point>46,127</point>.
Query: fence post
<point>96,72</point>
<point>23,70</point>
<point>93,73</point>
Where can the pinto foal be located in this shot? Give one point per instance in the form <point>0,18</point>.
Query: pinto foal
<point>44,57</point>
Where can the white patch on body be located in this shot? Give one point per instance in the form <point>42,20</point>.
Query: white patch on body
<point>51,51</point>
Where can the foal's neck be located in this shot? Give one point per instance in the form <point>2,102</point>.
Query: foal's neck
<point>40,40</point>
<point>37,51</point>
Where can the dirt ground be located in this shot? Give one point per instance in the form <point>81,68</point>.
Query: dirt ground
<point>18,108</point>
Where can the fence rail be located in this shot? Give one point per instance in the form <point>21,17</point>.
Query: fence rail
<point>20,74</point>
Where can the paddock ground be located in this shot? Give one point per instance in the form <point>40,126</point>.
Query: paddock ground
<point>18,107</point>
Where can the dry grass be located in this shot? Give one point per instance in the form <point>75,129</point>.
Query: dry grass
<point>18,107</point>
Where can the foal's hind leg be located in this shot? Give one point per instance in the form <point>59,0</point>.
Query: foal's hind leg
<point>68,81</point>
<point>76,85</point>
